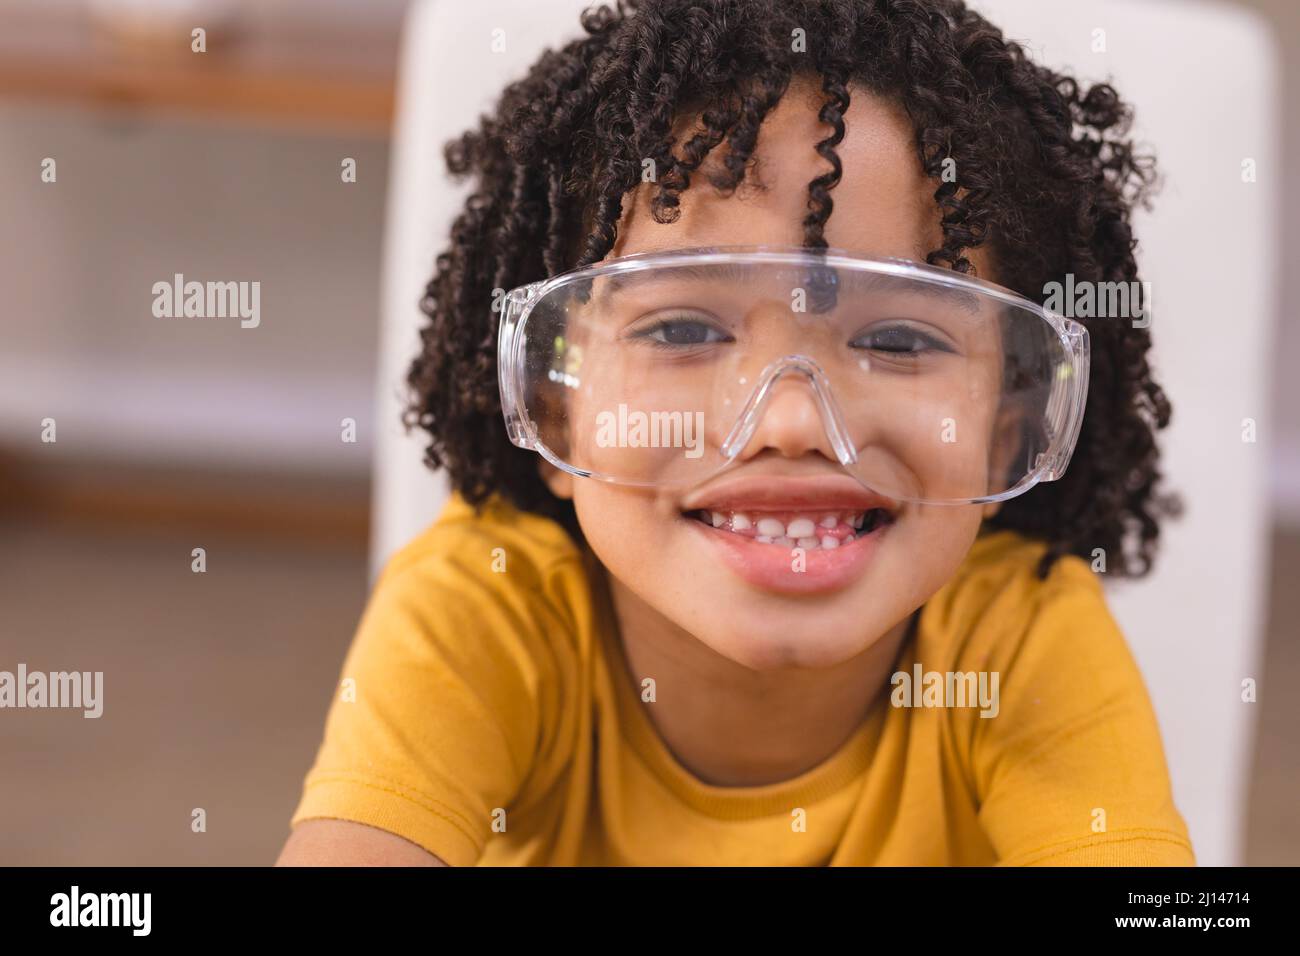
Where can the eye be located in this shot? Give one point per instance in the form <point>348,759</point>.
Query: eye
<point>681,332</point>
<point>899,339</point>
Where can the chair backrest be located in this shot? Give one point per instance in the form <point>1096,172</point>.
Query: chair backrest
<point>1194,625</point>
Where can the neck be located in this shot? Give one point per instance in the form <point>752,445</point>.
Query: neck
<point>730,725</point>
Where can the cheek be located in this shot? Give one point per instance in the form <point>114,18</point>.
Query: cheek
<point>626,527</point>
<point>931,544</point>
<point>939,443</point>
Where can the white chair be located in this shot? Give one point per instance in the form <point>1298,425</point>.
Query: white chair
<point>1194,626</point>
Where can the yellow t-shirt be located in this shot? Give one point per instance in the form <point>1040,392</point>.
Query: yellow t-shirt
<point>492,719</point>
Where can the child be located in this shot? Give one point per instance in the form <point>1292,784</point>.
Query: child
<point>769,555</point>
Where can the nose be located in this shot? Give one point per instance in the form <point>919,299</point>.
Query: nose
<point>790,423</point>
<point>792,412</point>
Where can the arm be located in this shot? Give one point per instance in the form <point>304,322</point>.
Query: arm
<point>343,843</point>
<point>441,720</point>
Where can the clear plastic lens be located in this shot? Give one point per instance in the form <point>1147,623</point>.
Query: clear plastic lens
<point>925,386</point>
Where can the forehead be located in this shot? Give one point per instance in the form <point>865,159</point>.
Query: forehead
<point>883,205</point>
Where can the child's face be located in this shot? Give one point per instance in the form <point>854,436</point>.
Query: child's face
<point>744,599</point>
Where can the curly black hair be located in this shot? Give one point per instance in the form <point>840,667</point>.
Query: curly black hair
<point>1046,180</point>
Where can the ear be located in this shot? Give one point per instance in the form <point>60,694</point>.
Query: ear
<point>991,509</point>
<point>560,482</point>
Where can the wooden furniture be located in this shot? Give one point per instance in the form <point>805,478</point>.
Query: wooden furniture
<point>303,73</point>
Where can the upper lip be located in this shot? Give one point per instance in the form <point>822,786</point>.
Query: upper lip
<point>760,492</point>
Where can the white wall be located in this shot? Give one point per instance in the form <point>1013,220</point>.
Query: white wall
<point>1284,443</point>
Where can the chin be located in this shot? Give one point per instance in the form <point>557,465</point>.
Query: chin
<point>785,638</point>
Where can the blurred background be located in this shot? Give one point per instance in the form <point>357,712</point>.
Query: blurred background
<point>175,435</point>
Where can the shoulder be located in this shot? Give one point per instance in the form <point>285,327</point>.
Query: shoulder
<point>494,550</point>
<point>493,594</point>
<point>1058,658</point>
<point>1071,731</point>
<point>461,676</point>
<point>490,604</point>
<point>997,608</point>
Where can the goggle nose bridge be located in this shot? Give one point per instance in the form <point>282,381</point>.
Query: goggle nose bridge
<point>747,421</point>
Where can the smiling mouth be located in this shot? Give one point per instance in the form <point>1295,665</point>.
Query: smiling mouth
<point>807,529</point>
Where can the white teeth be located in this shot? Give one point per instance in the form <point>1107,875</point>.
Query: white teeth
<point>801,528</point>
<point>802,532</point>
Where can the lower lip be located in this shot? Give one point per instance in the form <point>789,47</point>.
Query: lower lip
<point>771,566</point>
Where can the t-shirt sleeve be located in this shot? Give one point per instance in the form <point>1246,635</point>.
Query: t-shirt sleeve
<point>1071,770</point>
<point>438,716</point>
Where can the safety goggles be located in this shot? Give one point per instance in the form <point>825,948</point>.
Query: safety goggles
<point>663,369</point>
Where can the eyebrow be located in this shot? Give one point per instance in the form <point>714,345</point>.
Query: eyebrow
<point>617,281</point>
<point>861,281</point>
<point>847,279</point>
